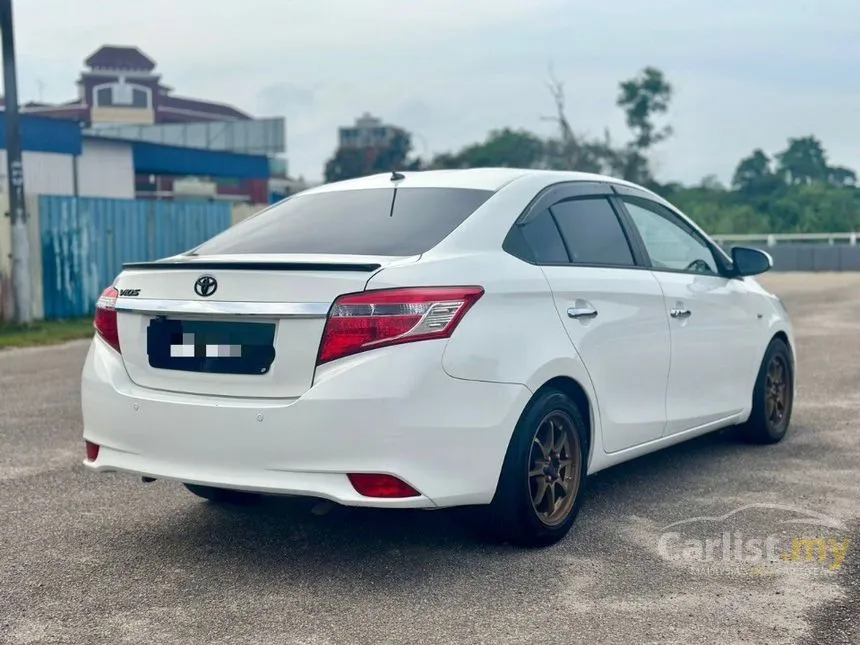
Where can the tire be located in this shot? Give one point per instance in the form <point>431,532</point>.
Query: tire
<point>224,495</point>
<point>520,513</point>
<point>773,397</point>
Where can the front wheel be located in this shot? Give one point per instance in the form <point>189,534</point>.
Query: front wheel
<point>541,486</point>
<point>773,396</point>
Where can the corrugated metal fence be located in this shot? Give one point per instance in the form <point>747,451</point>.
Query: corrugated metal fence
<point>85,242</point>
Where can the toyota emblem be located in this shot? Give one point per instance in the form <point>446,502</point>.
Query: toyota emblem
<point>205,286</point>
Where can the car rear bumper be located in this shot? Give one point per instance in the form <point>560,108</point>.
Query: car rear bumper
<point>392,411</point>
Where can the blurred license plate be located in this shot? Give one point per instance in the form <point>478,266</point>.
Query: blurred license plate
<point>211,346</point>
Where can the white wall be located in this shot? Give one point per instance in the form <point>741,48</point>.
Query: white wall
<point>244,211</point>
<point>45,173</point>
<point>105,169</point>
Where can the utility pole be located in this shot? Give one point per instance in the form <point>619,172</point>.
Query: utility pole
<point>21,279</point>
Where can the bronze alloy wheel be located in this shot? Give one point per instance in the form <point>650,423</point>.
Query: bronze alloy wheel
<point>773,396</point>
<point>777,391</point>
<point>555,462</point>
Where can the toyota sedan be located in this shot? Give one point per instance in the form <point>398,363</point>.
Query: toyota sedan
<point>483,337</point>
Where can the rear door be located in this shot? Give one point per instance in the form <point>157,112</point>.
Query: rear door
<point>611,308</point>
<point>713,327</point>
<point>243,314</point>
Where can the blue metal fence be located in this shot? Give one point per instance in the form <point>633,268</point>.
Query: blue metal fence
<point>86,240</point>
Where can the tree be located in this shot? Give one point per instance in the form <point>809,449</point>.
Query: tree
<point>349,163</point>
<point>711,182</point>
<point>642,98</point>
<point>839,176</point>
<point>567,151</point>
<point>754,175</point>
<point>803,162</point>
<point>502,148</point>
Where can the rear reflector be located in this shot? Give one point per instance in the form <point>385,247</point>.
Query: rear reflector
<point>373,319</point>
<point>388,486</point>
<point>105,319</point>
<point>92,450</point>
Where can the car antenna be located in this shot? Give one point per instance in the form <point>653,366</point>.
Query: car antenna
<point>395,176</point>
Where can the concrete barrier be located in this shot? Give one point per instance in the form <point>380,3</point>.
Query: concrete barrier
<point>809,256</point>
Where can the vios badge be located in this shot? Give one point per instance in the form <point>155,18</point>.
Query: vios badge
<point>205,286</point>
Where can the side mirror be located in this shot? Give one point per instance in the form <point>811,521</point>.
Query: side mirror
<point>750,261</point>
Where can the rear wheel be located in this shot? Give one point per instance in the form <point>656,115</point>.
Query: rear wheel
<point>543,477</point>
<point>223,495</point>
<point>773,396</point>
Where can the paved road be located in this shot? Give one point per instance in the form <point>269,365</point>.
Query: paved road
<point>106,559</point>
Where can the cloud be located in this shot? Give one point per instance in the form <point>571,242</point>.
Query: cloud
<point>281,98</point>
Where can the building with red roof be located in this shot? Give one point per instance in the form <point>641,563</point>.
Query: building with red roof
<point>120,86</point>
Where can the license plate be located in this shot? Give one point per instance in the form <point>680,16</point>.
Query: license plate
<point>211,346</point>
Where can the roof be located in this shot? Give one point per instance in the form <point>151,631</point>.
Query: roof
<point>120,57</point>
<point>159,159</point>
<point>196,105</point>
<point>475,178</point>
<point>41,134</point>
<point>75,112</point>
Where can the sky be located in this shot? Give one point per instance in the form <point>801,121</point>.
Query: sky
<point>747,73</point>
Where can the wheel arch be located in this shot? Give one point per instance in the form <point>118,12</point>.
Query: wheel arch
<point>786,335</point>
<point>579,395</point>
<point>783,336</point>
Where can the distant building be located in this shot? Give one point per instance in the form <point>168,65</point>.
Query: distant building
<point>368,132</point>
<point>61,158</point>
<point>196,142</point>
<point>120,86</point>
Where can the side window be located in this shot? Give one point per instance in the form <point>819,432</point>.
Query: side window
<point>669,245</point>
<point>542,237</point>
<point>592,232</point>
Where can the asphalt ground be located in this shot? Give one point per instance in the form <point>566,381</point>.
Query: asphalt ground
<point>88,558</point>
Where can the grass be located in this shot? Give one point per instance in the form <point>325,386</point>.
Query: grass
<point>44,332</point>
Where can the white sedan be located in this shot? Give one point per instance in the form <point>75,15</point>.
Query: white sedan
<point>482,337</point>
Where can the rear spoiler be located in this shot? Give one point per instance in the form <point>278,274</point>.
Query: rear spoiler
<point>252,266</point>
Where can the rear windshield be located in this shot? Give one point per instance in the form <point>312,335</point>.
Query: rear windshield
<point>352,222</point>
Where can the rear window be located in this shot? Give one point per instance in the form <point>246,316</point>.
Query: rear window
<point>371,221</point>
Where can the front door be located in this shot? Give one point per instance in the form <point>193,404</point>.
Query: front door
<point>712,327</point>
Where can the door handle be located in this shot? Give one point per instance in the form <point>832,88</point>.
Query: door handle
<point>680,313</point>
<point>583,311</point>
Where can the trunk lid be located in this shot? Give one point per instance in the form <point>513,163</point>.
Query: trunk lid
<point>252,328</point>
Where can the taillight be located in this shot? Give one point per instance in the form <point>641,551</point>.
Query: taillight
<point>105,318</point>
<point>373,319</point>
<point>373,485</point>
